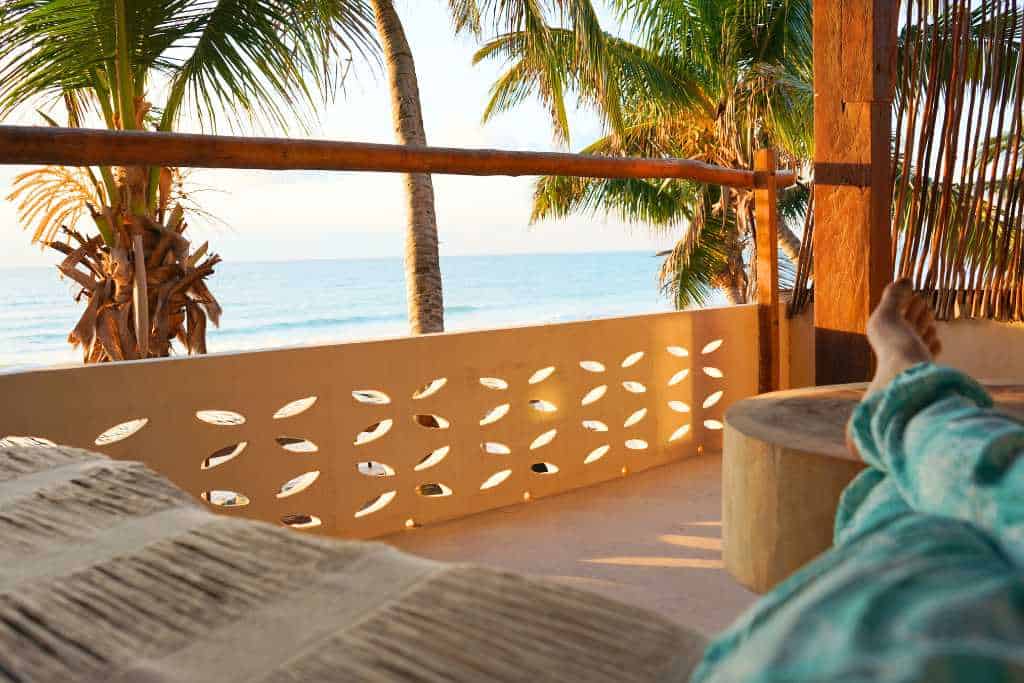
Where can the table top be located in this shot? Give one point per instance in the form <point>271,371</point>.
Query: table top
<point>813,419</point>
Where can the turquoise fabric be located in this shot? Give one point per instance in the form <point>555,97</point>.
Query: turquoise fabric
<point>925,580</point>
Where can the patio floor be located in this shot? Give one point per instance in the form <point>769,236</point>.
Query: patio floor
<point>652,539</point>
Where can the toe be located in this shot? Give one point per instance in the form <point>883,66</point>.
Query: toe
<point>893,305</point>
<point>916,312</point>
<point>897,295</point>
<point>925,318</point>
<point>930,337</point>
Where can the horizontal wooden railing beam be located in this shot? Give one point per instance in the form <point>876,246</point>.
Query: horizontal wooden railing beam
<point>95,147</point>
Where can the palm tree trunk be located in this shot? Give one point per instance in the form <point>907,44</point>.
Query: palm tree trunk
<point>422,263</point>
<point>789,243</point>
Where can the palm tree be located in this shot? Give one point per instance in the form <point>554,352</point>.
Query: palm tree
<point>711,80</point>
<point>422,263</point>
<point>716,79</point>
<point>258,63</point>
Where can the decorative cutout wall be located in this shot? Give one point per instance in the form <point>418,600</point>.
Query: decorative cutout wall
<point>362,439</point>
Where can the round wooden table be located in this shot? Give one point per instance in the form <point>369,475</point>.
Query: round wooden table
<point>784,465</point>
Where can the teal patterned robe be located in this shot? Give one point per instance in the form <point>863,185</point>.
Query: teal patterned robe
<point>925,580</point>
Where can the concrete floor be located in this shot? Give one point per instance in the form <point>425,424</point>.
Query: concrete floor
<point>652,539</point>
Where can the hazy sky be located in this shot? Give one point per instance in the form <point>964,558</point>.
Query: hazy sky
<point>295,215</point>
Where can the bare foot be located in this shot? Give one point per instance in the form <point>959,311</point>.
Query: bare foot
<point>902,333</point>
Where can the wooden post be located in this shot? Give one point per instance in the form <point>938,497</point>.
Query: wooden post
<point>854,63</point>
<point>766,211</point>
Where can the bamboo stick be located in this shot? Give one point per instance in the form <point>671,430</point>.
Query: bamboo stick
<point>89,147</point>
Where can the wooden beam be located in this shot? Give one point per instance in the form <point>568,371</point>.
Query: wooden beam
<point>854,61</point>
<point>766,212</point>
<point>92,147</point>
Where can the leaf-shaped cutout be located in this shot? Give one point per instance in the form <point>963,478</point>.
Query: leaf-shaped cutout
<point>495,414</point>
<point>595,425</point>
<point>680,433</point>
<point>221,418</point>
<point>301,521</point>
<point>594,395</point>
<point>495,479</point>
<point>221,456</point>
<point>541,375</point>
<point>494,383</point>
<point>376,504</point>
<point>632,359</point>
<point>544,439</point>
<point>711,347</point>
<point>120,432</point>
<point>713,399</point>
<point>225,499</point>
<point>23,441</point>
<point>431,421</point>
<point>432,458</point>
<point>678,351</point>
<point>634,387</point>
<point>295,408</point>
<point>296,444</point>
<point>371,397</point>
<point>636,444</point>
<point>678,377</point>
<point>495,448</point>
<point>372,468</point>
<point>429,389</point>
<point>713,425</point>
<point>433,490</point>
<point>679,406</point>
<point>544,468</point>
<point>543,406</point>
<point>298,484</point>
<point>592,366</point>
<point>373,432</point>
<point>596,454</point>
<point>714,372</point>
<point>635,417</point>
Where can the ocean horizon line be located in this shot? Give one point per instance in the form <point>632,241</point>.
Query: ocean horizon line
<point>396,257</point>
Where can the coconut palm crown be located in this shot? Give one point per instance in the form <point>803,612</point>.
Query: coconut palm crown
<point>702,79</point>
<point>151,65</point>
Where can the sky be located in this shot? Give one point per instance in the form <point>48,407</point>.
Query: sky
<point>291,215</point>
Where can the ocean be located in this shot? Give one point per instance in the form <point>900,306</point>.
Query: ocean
<point>274,304</point>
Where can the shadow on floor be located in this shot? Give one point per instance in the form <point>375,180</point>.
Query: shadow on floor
<point>652,539</point>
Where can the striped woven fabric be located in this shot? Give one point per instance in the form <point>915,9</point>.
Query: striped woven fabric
<point>108,572</point>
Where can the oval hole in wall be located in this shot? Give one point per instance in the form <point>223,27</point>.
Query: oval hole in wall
<point>373,432</point>
<point>298,484</point>
<point>372,468</point>
<point>221,418</point>
<point>225,499</point>
<point>596,454</point>
<point>301,521</point>
<point>594,395</point>
<point>433,490</point>
<point>495,414</point>
<point>296,407</point>
<point>541,375</point>
<point>120,432</point>
<point>429,389</point>
<point>495,479</point>
<point>432,458</point>
<point>376,504</point>
<point>221,456</point>
<point>371,397</point>
<point>296,444</point>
